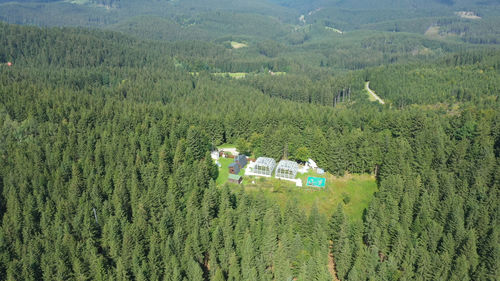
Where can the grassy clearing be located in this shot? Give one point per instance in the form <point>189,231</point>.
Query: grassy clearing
<point>432,31</point>
<point>370,97</point>
<point>78,2</point>
<point>468,15</point>
<point>358,188</point>
<point>226,145</point>
<point>354,191</point>
<point>334,29</point>
<point>224,170</point>
<point>236,75</point>
<point>238,45</point>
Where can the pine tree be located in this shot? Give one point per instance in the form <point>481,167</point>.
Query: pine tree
<point>194,271</point>
<point>337,222</point>
<point>196,144</point>
<point>248,261</point>
<point>282,266</point>
<point>234,268</point>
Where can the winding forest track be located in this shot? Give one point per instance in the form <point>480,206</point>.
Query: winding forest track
<point>372,93</point>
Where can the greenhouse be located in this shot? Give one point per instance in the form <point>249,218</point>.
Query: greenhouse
<point>287,169</point>
<point>264,166</point>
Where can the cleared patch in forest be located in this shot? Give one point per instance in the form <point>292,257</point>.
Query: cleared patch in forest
<point>354,191</point>
<point>78,2</point>
<point>468,15</point>
<point>432,31</point>
<point>235,75</point>
<point>435,32</point>
<point>224,170</point>
<point>334,29</point>
<point>238,45</point>
<point>226,145</point>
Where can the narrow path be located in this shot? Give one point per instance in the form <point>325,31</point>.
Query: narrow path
<point>372,93</point>
<point>331,263</point>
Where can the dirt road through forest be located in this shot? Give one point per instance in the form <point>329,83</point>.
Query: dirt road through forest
<point>372,93</point>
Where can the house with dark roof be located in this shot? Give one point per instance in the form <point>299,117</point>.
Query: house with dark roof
<point>241,160</point>
<point>234,168</point>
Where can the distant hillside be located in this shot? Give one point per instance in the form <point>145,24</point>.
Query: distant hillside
<point>105,12</point>
<point>384,4</point>
<point>289,22</point>
<point>203,27</point>
<point>96,48</point>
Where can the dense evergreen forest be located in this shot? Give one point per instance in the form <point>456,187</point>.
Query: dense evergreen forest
<point>105,139</point>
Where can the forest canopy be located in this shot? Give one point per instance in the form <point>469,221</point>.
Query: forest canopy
<point>105,140</point>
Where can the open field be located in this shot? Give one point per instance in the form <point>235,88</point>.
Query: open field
<point>226,145</point>
<point>238,45</point>
<point>356,190</point>
<point>432,31</point>
<point>279,73</point>
<point>334,29</point>
<point>468,15</point>
<point>78,2</point>
<point>224,170</point>
<point>236,75</point>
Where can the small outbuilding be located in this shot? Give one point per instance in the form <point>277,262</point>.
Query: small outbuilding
<point>235,178</point>
<point>241,160</point>
<point>214,155</point>
<point>234,168</point>
<point>264,166</point>
<point>287,169</point>
<point>311,163</point>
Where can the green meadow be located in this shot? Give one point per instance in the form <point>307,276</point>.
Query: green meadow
<point>353,191</point>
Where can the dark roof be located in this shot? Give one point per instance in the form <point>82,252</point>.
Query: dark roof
<point>234,164</point>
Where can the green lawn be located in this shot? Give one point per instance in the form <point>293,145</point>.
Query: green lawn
<point>359,189</point>
<point>224,170</point>
<point>238,45</point>
<point>226,145</point>
<point>235,75</point>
